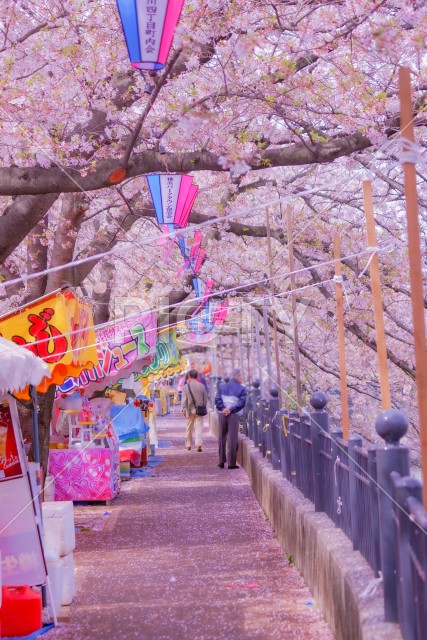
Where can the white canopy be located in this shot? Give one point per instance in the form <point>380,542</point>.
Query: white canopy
<point>19,367</point>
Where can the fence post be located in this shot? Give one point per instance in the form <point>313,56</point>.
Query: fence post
<point>265,422</point>
<point>336,457</point>
<point>260,423</point>
<point>283,427</point>
<point>375,518</point>
<point>391,425</point>
<point>403,489</point>
<point>246,413</point>
<point>293,416</point>
<point>319,423</point>
<point>254,393</point>
<point>257,416</point>
<point>353,442</point>
<point>274,433</point>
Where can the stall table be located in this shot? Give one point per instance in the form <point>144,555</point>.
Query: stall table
<point>89,472</point>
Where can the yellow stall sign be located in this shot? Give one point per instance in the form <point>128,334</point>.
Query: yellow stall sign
<point>57,328</point>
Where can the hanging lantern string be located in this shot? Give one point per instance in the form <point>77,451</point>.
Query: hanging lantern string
<point>340,280</point>
<point>374,251</point>
<point>410,152</point>
<point>150,240</point>
<point>125,333</point>
<point>243,212</point>
<point>216,294</point>
<point>200,299</point>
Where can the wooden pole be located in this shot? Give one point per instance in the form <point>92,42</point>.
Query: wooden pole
<point>233,353</point>
<point>341,338</point>
<point>221,357</point>
<point>239,338</point>
<point>415,267</point>
<point>377,297</point>
<point>214,384</point>
<point>294,308</point>
<point>249,350</point>
<point>215,363</point>
<point>267,343</point>
<point>275,333</point>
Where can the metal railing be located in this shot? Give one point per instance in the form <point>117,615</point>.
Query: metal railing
<point>366,492</point>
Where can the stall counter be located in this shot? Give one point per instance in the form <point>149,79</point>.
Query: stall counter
<point>90,474</point>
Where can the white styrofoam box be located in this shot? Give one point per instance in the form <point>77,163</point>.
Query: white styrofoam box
<point>68,582</point>
<point>49,489</point>
<point>213,423</point>
<point>55,571</point>
<point>158,406</point>
<point>58,525</point>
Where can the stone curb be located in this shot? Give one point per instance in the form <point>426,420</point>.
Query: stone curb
<point>335,574</point>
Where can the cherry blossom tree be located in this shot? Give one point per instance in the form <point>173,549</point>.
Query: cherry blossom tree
<point>264,103</point>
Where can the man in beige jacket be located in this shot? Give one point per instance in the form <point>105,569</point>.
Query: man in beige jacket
<point>188,406</point>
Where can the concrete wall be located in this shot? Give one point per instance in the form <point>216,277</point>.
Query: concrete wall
<point>335,574</point>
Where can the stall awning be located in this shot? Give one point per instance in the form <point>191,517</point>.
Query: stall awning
<point>123,348</point>
<point>167,361</point>
<point>19,368</point>
<point>58,328</point>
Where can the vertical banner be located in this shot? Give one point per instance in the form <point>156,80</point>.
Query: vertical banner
<point>10,463</point>
<point>22,559</point>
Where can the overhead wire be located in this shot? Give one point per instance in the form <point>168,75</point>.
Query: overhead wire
<point>215,294</point>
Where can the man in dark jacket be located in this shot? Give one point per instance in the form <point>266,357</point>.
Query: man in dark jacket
<point>230,401</point>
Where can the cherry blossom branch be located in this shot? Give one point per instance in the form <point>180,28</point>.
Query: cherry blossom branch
<point>152,99</point>
<point>38,180</point>
<point>35,30</point>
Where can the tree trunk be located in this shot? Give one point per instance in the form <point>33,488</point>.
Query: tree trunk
<point>73,209</point>
<point>37,260</point>
<point>102,293</point>
<point>44,416</point>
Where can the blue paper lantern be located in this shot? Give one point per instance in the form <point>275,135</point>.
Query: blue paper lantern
<point>149,26</point>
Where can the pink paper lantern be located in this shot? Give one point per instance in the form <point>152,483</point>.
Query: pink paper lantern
<point>173,197</point>
<point>193,254</point>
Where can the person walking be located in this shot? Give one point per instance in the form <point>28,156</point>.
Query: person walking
<point>229,402</point>
<point>194,395</point>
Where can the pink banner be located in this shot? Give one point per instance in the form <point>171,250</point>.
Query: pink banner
<point>121,347</point>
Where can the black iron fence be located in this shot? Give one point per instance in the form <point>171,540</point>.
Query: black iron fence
<point>367,492</point>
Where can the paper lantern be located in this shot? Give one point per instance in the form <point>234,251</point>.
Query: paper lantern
<point>204,326</point>
<point>193,254</point>
<point>173,196</point>
<point>203,291</point>
<point>149,26</point>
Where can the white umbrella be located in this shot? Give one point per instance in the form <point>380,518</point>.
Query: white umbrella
<point>19,367</point>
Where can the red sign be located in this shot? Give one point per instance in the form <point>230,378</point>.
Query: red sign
<point>22,560</point>
<point>10,465</point>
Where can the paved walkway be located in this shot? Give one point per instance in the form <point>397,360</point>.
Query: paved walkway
<point>186,554</point>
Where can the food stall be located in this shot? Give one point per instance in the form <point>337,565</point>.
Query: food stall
<point>89,435</point>
<point>166,363</point>
<point>21,549</point>
<point>84,454</point>
<point>58,328</point>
